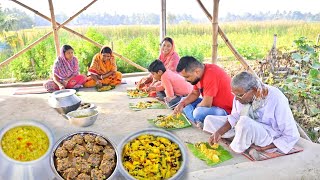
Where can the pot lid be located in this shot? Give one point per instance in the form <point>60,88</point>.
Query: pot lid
<point>63,93</point>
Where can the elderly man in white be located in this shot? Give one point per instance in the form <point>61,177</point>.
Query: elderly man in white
<point>261,118</point>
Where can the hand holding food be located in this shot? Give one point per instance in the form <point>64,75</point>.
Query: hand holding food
<point>214,138</point>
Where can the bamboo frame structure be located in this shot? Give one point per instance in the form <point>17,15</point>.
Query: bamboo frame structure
<point>54,28</point>
<point>302,133</point>
<point>68,29</point>
<point>317,42</point>
<point>25,49</point>
<point>215,31</point>
<point>227,42</point>
<point>163,23</point>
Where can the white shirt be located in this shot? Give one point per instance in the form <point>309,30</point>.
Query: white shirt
<point>275,116</point>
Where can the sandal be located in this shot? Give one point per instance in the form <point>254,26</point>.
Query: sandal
<point>255,155</point>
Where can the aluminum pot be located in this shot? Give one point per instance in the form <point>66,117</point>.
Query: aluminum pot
<point>82,133</point>
<point>64,101</point>
<point>156,132</point>
<point>11,169</point>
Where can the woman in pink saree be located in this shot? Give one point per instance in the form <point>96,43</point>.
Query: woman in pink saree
<point>65,72</point>
<point>169,57</point>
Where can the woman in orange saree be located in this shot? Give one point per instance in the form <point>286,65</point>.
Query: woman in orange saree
<point>103,69</point>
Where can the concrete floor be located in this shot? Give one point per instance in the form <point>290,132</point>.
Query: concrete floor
<point>116,121</point>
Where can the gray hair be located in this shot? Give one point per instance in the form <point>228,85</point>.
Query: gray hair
<point>246,81</point>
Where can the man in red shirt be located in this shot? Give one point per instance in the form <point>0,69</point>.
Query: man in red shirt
<point>209,81</point>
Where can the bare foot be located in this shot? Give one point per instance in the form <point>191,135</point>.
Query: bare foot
<point>199,125</point>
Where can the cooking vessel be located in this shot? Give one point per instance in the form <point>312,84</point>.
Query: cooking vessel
<point>156,132</point>
<point>11,169</point>
<point>64,101</point>
<point>68,137</point>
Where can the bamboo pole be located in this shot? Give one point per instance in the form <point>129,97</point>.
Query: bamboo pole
<point>163,23</point>
<point>215,31</point>
<point>60,25</point>
<point>54,28</point>
<point>243,62</point>
<point>226,40</point>
<point>76,33</point>
<point>130,62</point>
<point>25,49</point>
<point>75,15</point>
<point>318,38</point>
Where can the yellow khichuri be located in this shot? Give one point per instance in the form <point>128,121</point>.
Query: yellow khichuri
<point>169,121</point>
<point>209,152</point>
<point>25,143</point>
<point>136,93</point>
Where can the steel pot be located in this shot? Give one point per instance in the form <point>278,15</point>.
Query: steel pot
<point>156,132</point>
<point>11,169</point>
<point>64,101</point>
<point>82,133</point>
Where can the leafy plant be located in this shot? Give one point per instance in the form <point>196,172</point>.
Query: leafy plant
<point>301,84</point>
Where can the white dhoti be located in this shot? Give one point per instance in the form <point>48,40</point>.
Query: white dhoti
<point>214,123</point>
<point>246,132</point>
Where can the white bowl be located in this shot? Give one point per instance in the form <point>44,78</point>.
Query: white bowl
<point>156,132</point>
<point>83,117</point>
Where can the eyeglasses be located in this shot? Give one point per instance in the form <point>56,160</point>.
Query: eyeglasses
<point>240,96</point>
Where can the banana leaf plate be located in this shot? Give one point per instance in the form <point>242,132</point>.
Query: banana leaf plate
<point>224,154</point>
<point>136,94</point>
<point>105,88</point>
<point>178,123</point>
<point>152,105</point>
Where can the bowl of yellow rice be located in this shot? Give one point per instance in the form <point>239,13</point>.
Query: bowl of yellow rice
<point>25,142</point>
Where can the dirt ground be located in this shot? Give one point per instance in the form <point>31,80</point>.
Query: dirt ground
<point>116,121</point>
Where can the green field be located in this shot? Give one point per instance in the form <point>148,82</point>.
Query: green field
<point>253,40</point>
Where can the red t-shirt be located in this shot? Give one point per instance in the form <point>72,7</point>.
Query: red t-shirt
<point>216,83</point>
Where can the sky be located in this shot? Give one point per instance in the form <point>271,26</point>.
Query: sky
<point>127,7</point>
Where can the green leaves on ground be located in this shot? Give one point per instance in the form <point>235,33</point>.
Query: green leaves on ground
<point>225,155</point>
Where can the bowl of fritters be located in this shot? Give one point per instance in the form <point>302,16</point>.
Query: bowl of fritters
<point>152,154</point>
<point>84,155</point>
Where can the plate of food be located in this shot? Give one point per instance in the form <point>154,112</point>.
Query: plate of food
<point>105,88</point>
<point>86,106</point>
<point>213,155</point>
<point>136,93</point>
<point>147,105</point>
<point>84,154</point>
<point>152,154</point>
<point>170,122</point>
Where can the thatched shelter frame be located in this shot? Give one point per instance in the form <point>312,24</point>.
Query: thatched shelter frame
<point>213,19</point>
<point>56,26</point>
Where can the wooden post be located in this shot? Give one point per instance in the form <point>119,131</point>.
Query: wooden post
<point>215,31</point>
<point>54,28</point>
<point>68,29</point>
<point>163,19</point>
<point>226,40</point>
<point>318,38</point>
